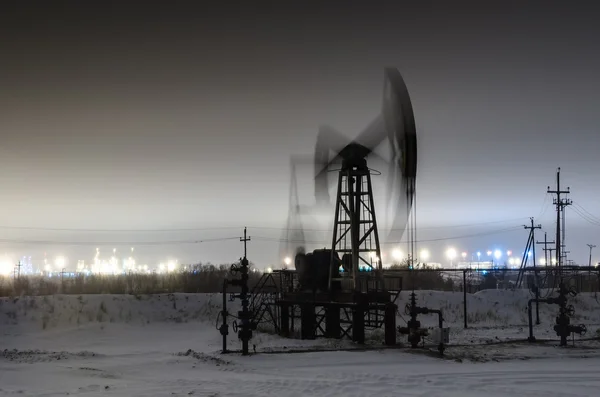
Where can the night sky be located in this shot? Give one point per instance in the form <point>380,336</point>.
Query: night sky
<point>132,121</point>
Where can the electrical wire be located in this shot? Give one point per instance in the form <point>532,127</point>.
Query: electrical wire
<point>592,216</point>
<point>590,219</point>
<point>54,229</point>
<point>499,231</point>
<point>195,229</point>
<point>113,243</point>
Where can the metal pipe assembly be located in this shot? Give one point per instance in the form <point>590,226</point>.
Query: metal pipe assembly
<point>415,332</point>
<point>563,327</point>
<point>224,328</point>
<point>245,315</point>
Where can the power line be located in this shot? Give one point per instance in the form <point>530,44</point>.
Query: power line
<point>505,230</point>
<point>54,229</point>
<point>195,229</point>
<point>115,243</point>
<point>200,241</point>
<point>585,214</point>
<point>585,217</point>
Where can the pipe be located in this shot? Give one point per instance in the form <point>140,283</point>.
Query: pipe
<point>224,327</point>
<point>465,297</point>
<point>425,310</point>
<point>441,325</point>
<point>530,316</point>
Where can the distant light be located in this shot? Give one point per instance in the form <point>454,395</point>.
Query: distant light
<point>497,254</point>
<point>529,253</point>
<point>478,254</point>
<point>287,260</point>
<point>464,255</point>
<point>269,270</point>
<point>489,253</point>
<point>451,253</point>
<point>424,255</point>
<point>60,261</point>
<point>508,253</point>
<point>397,254</point>
<point>542,261</point>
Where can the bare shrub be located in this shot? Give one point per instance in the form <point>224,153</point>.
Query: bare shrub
<point>199,279</point>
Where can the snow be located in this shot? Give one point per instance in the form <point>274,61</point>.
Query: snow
<point>168,345</point>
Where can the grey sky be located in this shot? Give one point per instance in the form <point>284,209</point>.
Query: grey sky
<point>131,118</point>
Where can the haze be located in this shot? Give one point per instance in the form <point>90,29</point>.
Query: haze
<point>141,120</point>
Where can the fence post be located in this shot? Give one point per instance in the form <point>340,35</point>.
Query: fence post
<point>465,296</point>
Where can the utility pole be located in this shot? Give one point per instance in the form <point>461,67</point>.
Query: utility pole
<point>592,246</point>
<point>17,270</point>
<point>17,277</point>
<point>546,243</point>
<point>536,287</point>
<point>244,240</point>
<point>246,330</point>
<point>563,325</point>
<point>560,204</point>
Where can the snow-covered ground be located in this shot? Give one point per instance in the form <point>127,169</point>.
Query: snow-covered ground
<point>168,345</point>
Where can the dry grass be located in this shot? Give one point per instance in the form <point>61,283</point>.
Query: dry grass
<point>207,279</point>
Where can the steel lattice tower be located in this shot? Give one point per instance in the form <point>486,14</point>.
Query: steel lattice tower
<point>355,236</point>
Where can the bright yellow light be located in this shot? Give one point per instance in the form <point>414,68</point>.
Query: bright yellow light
<point>60,262</point>
<point>424,255</point>
<point>171,266</point>
<point>451,253</point>
<point>542,261</point>
<point>6,266</point>
<point>464,255</point>
<point>553,261</point>
<point>287,260</point>
<point>397,254</point>
<point>269,270</point>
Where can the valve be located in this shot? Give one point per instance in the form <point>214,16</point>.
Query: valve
<point>570,310</point>
<point>224,329</point>
<point>572,292</point>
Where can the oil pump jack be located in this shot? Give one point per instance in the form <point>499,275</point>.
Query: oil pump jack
<point>353,262</point>
<point>354,258</point>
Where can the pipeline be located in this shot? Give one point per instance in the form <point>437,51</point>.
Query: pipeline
<point>414,331</point>
<point>563,326</point>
